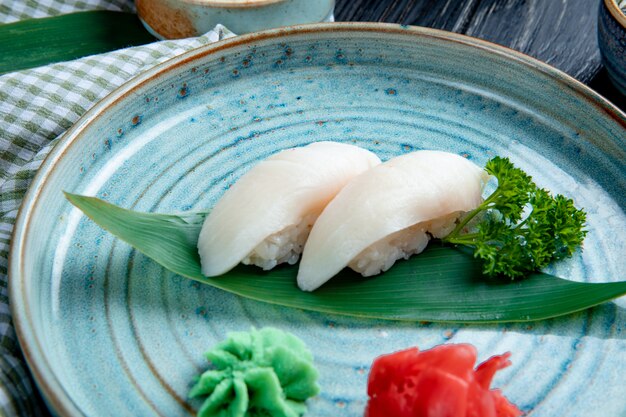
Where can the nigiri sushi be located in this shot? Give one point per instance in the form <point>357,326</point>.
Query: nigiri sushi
<point>265,217</point>
<point>390,212</point>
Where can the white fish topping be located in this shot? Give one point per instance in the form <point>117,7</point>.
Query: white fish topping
<point>399,194</point>
<point>258,219</point>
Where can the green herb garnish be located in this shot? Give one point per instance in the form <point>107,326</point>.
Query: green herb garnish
<point>523,228</point>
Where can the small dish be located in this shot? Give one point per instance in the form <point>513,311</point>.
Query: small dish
<point>612,42</point>
<point>172,19</point>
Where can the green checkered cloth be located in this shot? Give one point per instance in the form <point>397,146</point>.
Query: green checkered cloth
<point>36,107</point>
<point>14,10</point>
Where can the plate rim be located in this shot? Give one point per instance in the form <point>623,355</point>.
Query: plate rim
<point>46,380</point>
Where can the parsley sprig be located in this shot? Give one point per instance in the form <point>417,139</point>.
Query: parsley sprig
<point>520,227</point>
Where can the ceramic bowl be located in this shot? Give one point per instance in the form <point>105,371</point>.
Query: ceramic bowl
<point>173,19</point>
<point>612,41</point>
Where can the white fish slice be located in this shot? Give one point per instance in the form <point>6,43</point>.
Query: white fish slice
<point>265,217</point>
<point>390,212</point>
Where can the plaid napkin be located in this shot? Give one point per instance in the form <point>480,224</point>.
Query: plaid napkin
<point>14,10</point>
<point>36,107</point>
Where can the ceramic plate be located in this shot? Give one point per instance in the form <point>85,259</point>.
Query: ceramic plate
<point>107,331</point>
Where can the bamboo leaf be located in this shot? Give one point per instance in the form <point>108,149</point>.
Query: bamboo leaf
<point>442,284</point>
<point>34,42</point>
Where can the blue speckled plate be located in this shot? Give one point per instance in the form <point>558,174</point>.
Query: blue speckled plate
<point>106,331</point>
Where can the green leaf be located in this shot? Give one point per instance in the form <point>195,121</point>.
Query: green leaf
<point>34,42</point>
<point>443,284</point>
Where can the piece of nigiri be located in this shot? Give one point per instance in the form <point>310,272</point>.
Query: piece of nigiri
<point>390,212</point>
<point>265,217</point>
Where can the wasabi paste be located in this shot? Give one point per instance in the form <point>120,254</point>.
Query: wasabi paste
<point>259,373</point>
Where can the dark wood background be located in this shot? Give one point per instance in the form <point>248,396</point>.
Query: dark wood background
<point>562,33</point>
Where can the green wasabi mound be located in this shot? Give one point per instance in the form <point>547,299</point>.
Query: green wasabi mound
<point>261,373</point>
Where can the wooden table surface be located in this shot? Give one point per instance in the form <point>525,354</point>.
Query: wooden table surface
<point>562,33</point>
